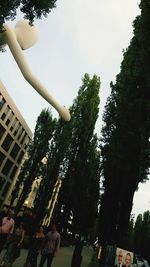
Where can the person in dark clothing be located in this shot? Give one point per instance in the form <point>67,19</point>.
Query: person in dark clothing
<point>13,246</point>
<point>3,214</point>
<point>36,246</point>
<point>6,228</point>
<point>51,246</point>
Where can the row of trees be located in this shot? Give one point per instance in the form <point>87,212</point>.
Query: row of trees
<point>73,147</point>
<point>138,238</point>
<point>72,151</point>
<point>125,134</point>
<point>139,235</point>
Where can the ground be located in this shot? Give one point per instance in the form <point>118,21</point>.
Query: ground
<point>63,258</point>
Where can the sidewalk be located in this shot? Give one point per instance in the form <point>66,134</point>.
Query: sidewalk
<point>62,260</point>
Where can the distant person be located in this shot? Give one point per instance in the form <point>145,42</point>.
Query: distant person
<point>50,247</point>
<point>119,259</point>
<point>29,221</point>
<point>14,245</point>
<point>128,260</point>
<point>3,214</point>
<point>35,247</point>
<point>6,228</point>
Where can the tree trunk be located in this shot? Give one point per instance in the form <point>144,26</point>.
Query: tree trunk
<point>77,257</point>
<point>108,256</point>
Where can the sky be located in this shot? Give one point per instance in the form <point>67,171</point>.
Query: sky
<point>76,38</point>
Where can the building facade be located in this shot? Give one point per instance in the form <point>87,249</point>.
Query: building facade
<point>14,139</point>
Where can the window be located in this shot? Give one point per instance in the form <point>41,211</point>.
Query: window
<point>1,158</point>
<point>11,115</point>
<point>22,138</point>
<point>7,122</point>
<point>15,151</point>
<point>6,189</point>
<point>20,157</point>
<point>26,142</point>
<point>13,124</point>
<point>13,173</point>
<point>2,130</point>
<point>7,142</point>
<point>7,167</point>
<point>2,101</point>
<point>2,182</point>
<point>16,127</point>
<point>20,132</point>
<point>7,109</point>
<point>3,116</point>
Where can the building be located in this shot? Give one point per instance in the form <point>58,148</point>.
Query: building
<point>14,138</point>
<point>29,202</point>
<point>35,186</point>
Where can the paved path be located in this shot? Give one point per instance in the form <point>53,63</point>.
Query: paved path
<point>62,260</point>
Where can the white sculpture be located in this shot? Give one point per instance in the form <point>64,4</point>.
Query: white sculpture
<point>23,37</point>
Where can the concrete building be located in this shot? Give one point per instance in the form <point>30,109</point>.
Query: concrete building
<point>14,138</point>
<point>31,197</point>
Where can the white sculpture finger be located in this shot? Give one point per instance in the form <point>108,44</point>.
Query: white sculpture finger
<point>16,49</point>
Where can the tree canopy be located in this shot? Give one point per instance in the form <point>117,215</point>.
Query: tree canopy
<point>74,155</point>
<point>32,9</point>
<point>125,134</point>
<point>37,150</point>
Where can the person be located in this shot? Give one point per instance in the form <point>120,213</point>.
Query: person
<point>128,260</point>
<point>28,221</point>
<point>13,246</point>
<point>50,247</point>
<point>6,228</point>
<point>3,214</point>
<point>119,259</point>
<point>36,246</point>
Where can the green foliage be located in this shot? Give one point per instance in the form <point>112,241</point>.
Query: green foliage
<point>57,149</point>
<point>142,235</point>
<point>125,134</point>
<point>130,235</point>
<point>81,186</point>
<point>139,235</point>
<point>73,154</point>
<point>31,8</point>
<point>37,150</point>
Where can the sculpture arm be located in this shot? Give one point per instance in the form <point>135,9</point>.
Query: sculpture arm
<point>16,50</point>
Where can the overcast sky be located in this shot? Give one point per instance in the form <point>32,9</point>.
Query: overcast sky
<point>77,37</point>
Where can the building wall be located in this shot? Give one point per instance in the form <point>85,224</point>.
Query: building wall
<point>31,197</point>
<point>14,138</point>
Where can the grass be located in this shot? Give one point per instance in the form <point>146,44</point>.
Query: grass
<point>63,258</point>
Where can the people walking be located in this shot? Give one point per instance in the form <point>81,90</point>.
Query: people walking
<point>35,248</point>
<point>51,246</point>
<point>6,228</point>
<point>13,246</point>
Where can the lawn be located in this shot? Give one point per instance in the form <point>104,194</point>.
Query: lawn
<point>63,258</point>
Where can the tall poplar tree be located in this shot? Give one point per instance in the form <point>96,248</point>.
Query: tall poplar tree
<point>125,135</point>
<point>38,149</point>
<point>83,170</point>
<point>142,235</point>
<point>74,151</point>
<point>56,155</point>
